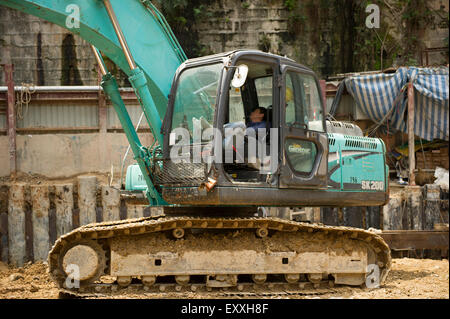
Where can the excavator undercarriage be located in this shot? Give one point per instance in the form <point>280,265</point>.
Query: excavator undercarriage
<point>196,253</point>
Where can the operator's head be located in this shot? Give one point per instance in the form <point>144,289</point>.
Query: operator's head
<point>258,114</point>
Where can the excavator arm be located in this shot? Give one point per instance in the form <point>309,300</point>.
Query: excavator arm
<point>136,37</point>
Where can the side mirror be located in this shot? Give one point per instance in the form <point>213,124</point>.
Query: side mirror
<point>240,75</point>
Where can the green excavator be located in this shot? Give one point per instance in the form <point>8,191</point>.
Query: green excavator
<point>234,132</point>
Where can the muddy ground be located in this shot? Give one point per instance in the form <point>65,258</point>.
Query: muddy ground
<point>409,278</point>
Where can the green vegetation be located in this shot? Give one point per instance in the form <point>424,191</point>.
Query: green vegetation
<point>182,16</point>
<point>264,43</point>
<point>336,33</point>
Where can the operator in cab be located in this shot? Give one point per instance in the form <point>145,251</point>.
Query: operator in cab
<point>258,119</point>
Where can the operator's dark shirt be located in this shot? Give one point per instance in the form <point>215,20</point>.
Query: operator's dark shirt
<point>256,125</point>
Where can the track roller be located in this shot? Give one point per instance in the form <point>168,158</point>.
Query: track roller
<point>178,233</point>
<point>182,279</point>
<point>148,280</point>
<point>314,278</point>
<point>259,278</point>
<point>262,232</point>
<point>124,281</point>
<point>292,278</point>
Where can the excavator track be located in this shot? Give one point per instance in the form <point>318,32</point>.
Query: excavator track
<point>229,256</point>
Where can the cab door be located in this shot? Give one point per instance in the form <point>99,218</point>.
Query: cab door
<point>303,140</point>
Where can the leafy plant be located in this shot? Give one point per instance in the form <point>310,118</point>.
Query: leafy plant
<point>264,43</point>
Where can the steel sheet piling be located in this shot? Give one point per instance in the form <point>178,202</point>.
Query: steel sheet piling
<point>110,203</point>
<point>432,209</point>
<point>393,213</point>
<point>16,224</point>
<point>135,211</point>
<point>87,199</point>
<point>64,208</point>
<point>414,206</point>
<point>40,219</point>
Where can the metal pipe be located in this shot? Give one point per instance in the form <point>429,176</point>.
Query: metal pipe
<point>120,36</point>
<point>101,63</point>
<point>68,88</point>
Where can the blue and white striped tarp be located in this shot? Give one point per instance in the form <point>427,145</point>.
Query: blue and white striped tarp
<point>384,97</point>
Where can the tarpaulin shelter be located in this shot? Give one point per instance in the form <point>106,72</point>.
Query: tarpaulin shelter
<point>383,97</point>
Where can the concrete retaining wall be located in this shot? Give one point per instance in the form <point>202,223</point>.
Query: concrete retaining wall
<point>63,155</point>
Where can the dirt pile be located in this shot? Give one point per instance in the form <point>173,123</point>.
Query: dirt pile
<point>29,281</point>
<point>408,278</point>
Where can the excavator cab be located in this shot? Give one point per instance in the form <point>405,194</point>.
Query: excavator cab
<point>262,163</point>
<point>215,154</point>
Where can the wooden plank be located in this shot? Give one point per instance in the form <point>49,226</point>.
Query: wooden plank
<point>416,239</point>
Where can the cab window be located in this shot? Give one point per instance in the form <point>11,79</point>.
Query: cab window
<point>302,99</point>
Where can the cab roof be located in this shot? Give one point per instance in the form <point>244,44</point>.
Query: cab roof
<point>244,52</point>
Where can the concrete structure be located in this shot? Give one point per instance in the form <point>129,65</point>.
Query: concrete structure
<point>87,199</point>
<point>67,131</point>
<point>110,203</point>
<point>16,224</point>
<point>64,205</point>
<point>309,31</point>
<point>135,211</point>
<point>64,155</point>
<point>40,221</point>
